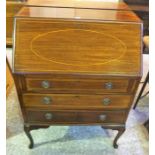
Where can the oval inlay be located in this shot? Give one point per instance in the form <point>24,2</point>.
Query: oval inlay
<point>77,47</point>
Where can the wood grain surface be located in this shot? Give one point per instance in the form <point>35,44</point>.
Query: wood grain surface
<point>75,101</point>
<point>78,85</point>
<point>77,64</point>
<point>61,117</point>
<point>90,4</point>
<point>78,13</point>
<point>77,47</point>
<point>12,7</point>
<point>9,79</point>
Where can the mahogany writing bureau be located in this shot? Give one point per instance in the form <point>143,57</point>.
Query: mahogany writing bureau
<point>76,66</point>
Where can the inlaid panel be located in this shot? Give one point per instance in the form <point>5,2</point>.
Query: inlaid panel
<point>80,51</point>
<point>98,48</point>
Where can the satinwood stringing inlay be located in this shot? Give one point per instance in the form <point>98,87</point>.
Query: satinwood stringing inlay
<point>82,47</point>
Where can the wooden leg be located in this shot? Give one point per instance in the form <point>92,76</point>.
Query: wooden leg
<point>27,130</point>
<point>120,132</point>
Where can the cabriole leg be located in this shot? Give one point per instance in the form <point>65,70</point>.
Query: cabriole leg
<point>27,130</point>
<point>120,132</point>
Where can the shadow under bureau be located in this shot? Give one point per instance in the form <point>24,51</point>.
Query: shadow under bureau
<point>76,66</point>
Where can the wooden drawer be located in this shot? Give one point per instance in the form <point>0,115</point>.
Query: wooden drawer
<point>83,117</point>
<point>80,85</point>
<point>72,101</point>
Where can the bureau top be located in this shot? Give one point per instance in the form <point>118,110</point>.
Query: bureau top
<point>78,14</point>
<point>77,41</point>
<point>89,4</point>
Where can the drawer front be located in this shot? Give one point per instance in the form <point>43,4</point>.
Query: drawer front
<point>60,117</point>
<point>71,101</point>
<point>79,85</point>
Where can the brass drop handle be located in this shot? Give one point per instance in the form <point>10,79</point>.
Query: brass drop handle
<point>106,101</point>
<point>102,117</point>
<point>108,85</point>
<point>48,116</point>
<point>47,100</point>
<point>45,84</point>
